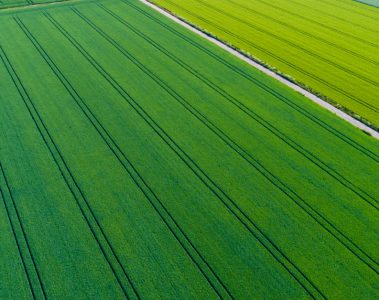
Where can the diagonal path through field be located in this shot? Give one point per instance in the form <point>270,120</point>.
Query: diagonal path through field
<point>319,58</point>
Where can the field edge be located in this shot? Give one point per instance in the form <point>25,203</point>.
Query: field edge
<point>372,130</point>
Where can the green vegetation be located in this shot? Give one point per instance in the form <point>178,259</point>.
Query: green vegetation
<point>330,47</point>
<point>11,3</point>
<point>17,3</point>
<point>139,160</point>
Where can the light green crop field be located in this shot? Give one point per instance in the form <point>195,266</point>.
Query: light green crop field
<point>330,46</point>
<point>138,160</point>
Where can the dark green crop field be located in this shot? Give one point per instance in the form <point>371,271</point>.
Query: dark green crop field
<point>11,3</point>
<point>137,160</point>
<point>330,46</point>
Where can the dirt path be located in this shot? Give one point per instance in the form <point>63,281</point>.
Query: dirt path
<point>288,83</point>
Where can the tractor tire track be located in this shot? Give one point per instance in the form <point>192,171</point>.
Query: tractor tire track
<point>257,118</point>
<point>12,223</point>
<point>66,173</point>
<point>219,193</point>
<point>242,152</point>
<point>150,195</point>
<point>11,73</point>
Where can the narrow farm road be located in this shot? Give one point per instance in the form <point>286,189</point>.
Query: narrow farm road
<point>267,71</point>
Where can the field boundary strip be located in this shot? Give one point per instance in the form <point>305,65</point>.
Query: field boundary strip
<point>279,58</point>
<point>343,115</point>
<point>257,118</point>
<point>262,86</point>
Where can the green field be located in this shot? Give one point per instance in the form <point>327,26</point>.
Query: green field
<point>139,160</point>
<point>18,3</point>
<point>330,46</point>
<point>11,3</point>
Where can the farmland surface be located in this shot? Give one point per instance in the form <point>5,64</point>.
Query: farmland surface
<point>18,3</point>
<point>330,46</point>
<point>138,160</point>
